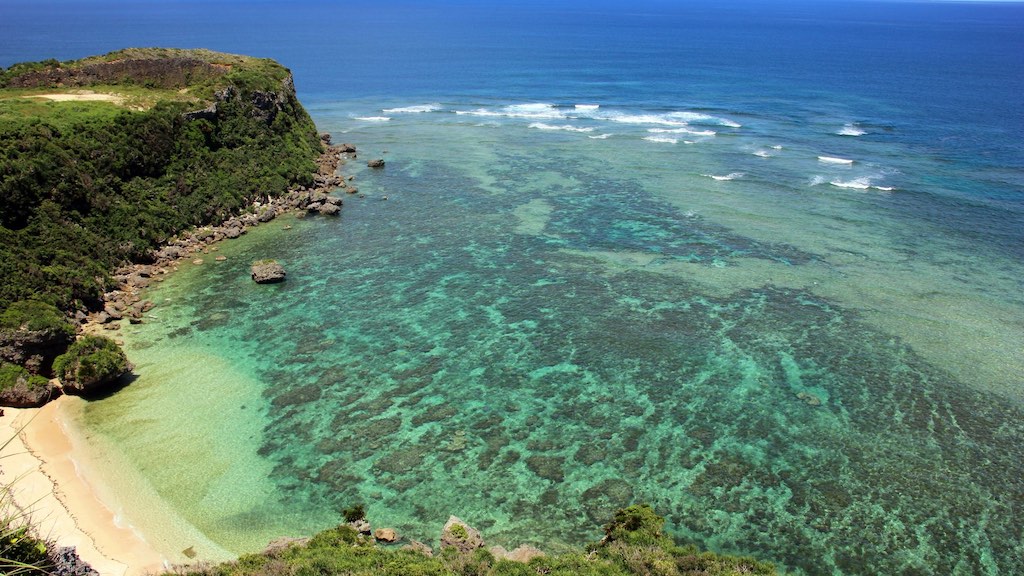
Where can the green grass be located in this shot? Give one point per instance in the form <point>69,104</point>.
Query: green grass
<point>63,116</point>
<point>22,551</point>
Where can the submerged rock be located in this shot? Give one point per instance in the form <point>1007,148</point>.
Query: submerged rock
<point>267,272</point>
<point>376,163</point>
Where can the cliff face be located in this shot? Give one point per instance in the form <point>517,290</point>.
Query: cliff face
<point>33,349</point>
<point>265,104</point>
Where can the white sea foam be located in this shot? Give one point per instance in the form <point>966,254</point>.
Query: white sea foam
<point>567,128</point>
<point>413,109</point>
<point>533,111</point>
<point>662,139</point>
<point>681,131</point>
<point>856,183</point>
<point>884,188</point>
<point>763,153</point>
<point>850,129</point>
<point>373,118</point>
<point>699,118</point>
<point>730,176</point>
<point>624,118</point>
<point>600,136</point>
<point>777,147</point>
<point>834,160</point>
<point>673,119</point>
<point>817,180</point>
<point>587,107</point>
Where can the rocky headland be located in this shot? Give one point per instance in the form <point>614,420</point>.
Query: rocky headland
<point>172,151</point>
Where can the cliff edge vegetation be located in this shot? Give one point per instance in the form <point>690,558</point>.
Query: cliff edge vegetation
<point>634,544</point>
<point>102,160</point>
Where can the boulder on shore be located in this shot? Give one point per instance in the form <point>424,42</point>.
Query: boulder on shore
<point>459,535</point>
<point>420,548</point>
<point>267,272</point>
<point>522,554</point>
<point>91,365</point>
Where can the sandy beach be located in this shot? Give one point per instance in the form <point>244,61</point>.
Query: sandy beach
<point>48,484</point>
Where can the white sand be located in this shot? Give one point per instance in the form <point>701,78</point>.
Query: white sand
<point>47,484</point>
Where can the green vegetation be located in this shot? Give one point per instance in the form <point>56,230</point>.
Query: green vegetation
<point>459,531</point>
<point>150,143</point>
<point>354,513</point>
<point>12,374</point>
<point>20,551</point>
<point>634,544</point>
<point>35,316</point>
<point>87,186</point>
<point>90,360</point>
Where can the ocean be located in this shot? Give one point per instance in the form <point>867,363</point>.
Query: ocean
<point>759,264</point>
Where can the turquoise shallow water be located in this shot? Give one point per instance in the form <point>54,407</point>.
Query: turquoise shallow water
<point>757,263</point>
<point>537,327</point>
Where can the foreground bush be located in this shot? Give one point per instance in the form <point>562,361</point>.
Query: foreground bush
<point>633,544</point>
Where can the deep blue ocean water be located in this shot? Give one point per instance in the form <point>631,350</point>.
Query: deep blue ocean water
<point>757,263</point>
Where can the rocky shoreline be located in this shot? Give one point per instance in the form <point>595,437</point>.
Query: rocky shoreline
<point>125,301</point>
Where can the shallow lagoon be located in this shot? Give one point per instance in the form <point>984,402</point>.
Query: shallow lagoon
<point>532,332</point>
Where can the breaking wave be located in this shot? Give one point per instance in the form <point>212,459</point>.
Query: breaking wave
<point>730,176</point>
<point>413,109</point>
<point>567,128</point>
<point>851,129</point>
<point>662,139</point>
<point>834,160</point>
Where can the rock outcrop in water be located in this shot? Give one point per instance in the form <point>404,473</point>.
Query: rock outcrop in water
<point>267,272</point>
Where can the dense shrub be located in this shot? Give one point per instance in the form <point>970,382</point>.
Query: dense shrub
<point>90,362</point>
<point>35,316</point>
<point>12,375</point>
